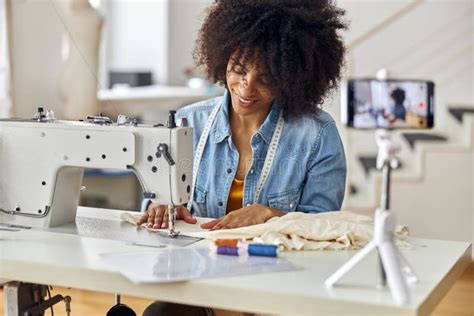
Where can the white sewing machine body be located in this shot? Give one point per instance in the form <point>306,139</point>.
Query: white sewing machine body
<point>42,164</point>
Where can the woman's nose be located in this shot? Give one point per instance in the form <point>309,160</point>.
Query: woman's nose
<point>248,83</point>
<point>244,83</point>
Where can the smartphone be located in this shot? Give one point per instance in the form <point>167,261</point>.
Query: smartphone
<point>371,104</point>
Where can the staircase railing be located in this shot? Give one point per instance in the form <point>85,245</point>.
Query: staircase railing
<point>384,24</point>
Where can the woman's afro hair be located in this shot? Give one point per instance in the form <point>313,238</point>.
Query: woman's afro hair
<point>296,45</point>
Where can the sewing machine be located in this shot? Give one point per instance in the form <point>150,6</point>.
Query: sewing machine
<point>42,162</point>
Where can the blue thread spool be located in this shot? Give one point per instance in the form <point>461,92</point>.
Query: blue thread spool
<point>262,250</point>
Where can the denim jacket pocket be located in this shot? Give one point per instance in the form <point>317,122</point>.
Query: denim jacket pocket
<point>286,200</point>
<point>199,207</point>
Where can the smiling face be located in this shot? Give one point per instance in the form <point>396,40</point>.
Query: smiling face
<point>250,94</point>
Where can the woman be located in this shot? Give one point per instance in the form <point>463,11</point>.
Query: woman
<point>265,148</point>
<point>268,148</point>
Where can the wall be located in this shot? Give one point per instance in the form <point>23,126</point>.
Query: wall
<point>155,35</point>
<point>137,37</point>
<point>435,211</point>
<point>184,22</point>
<point>4,106</point>
<point>36,55</point>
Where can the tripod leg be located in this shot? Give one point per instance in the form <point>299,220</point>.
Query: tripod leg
<point>407,270</point>
<point>350,264</point>
<point>392,265</point>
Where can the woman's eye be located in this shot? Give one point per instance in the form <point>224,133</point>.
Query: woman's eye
<point>237,70</point>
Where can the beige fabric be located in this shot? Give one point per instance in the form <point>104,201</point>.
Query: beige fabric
<point>301,231</point>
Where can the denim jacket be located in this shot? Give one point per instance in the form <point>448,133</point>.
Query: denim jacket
<point>308,172</point>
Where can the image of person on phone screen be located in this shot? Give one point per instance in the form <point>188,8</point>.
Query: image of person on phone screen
<point>397,111</point>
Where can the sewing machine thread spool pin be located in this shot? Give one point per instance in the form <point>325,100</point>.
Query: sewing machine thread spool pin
<point>171,119</point>
<point>39,115</point>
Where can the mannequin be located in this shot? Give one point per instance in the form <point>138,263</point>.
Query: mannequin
<point>78,78</point>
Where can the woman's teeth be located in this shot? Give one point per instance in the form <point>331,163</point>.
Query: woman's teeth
<point>245,101</point>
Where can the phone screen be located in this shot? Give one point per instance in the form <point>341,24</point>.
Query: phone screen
<point>371,103</point>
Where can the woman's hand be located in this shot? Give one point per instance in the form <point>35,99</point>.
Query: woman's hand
<point>156,216</point>
<point>250,215</point>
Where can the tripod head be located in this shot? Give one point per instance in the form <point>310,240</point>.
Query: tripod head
<point>387,149</point>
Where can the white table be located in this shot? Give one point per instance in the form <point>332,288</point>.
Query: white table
<point>70,260</point>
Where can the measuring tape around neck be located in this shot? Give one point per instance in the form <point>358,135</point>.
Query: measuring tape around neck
<point>272,148</point>
<point>268,158</point>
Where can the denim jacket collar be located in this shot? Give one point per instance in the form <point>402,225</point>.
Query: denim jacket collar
<point>222,125</point>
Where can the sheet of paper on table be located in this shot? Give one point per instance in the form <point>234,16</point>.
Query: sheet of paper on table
<point>171,265</point>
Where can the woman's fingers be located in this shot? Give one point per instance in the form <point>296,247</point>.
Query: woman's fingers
<point>150,212</point>
<point>143,219</point>
<point>221,224</point>
<point>157,217</point>
<point>160,212</point>
<point>211,224</point>
<point>231,220</point>
<point>183,213</point>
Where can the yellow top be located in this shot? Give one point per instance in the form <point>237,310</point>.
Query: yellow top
<point>236,195</point>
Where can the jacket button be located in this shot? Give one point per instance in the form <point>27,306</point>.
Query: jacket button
<point>229,170</point>
<point>220,203</point>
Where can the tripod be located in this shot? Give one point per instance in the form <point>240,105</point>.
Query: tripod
<point>394,268</point>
